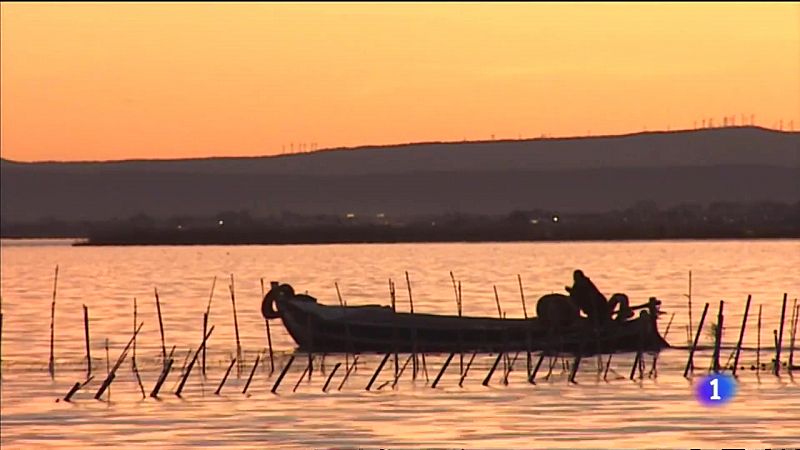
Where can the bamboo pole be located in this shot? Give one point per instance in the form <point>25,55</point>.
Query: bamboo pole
<point>205,319</point>
<point>689,297</point>
<point>343,303</point>
<point>491,371</point>
<point>163,377</point>
<point>282,374</point>
<point>527,332</point>
<point>88,347</point>
<point>466,369</point>
<point>330,377</point>
<point>393,299</point>
<point>193,361</point>
<point>133,357</point>
<point>161,329</point>
<point>718,336</point>
<point>139,380</point>
<point>689,362</point>
<point>225,377</point>
<point>236,329</point>
<point>109,376</point>
<point>741,336</point>
<point>780,338</point>
<point>441,372</point>
<point>252,372</point>
<point>52,363</point>
<point>796,316</point>
<point>347,374</point>
<point>457,293</point>
<point>112,371</point>
<point>378,371</point>
<point>758,345</point>
<point>608,366</point>
<point>413,331</point>
<point>269,335</point>
<point>400,373</point>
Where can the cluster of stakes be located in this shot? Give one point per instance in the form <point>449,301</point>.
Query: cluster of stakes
<point>570,363</point>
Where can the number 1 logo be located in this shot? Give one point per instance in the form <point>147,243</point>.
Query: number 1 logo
<point>715,390</point>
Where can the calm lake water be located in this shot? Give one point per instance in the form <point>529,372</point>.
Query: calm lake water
<point>660,412</point>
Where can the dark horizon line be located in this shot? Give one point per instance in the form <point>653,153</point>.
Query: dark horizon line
<point>408,144</point>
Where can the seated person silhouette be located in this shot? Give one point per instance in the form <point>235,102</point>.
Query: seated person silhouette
<point>589,299</point>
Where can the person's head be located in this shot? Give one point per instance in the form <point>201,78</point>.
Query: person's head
<point>578,275</point>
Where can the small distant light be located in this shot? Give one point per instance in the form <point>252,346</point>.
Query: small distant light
<point>534,221</point>
<point>555,219</point>
<point>221,223</point>
<point>380,215</point>
<point>433,224</point>
<point>351,216</point>
<point>180,227</point>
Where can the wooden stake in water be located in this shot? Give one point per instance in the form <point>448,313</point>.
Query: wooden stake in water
<point>52,364</point>
<point>413,331</point>
<point>133,357</point>
<point>225,377</point>
<point>689,297</point>
<point>378,371</point>
<point>161,329</point>
<point>741,335</point>
<point>162,378</point>
<point>758,345</point>
<point>191,364</point>
<point>491,371</point>
<point>269,335</point>
<point>347,374</point>
<point>497,300</point>
<point>718,336</point>
<point>236,329</point>
<point>689,362</point>
<point>88,347</point>
<point>330,377</point>
<point>441,372</point>
<point>780,338</point>
<point>108,375</point>
<point>796,315</point>
<point>282,374</point>
<point>112,371</point>
<point>205,319</point>
<point>250,378</point>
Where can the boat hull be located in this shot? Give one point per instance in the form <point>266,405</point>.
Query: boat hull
<point>333,329</point>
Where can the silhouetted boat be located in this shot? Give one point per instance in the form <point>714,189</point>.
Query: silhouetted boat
<point>323,328</point>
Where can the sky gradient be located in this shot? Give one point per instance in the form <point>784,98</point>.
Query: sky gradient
<point>120,81</point>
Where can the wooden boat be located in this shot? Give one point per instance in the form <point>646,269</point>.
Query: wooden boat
<point>330,329</point>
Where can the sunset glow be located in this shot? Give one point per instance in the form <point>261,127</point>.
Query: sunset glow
<point>118,81</point>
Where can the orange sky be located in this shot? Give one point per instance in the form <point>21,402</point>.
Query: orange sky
<point>117,81</point>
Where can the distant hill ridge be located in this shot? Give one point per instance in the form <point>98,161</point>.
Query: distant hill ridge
<point>740,164</point>
<point>704,147</point>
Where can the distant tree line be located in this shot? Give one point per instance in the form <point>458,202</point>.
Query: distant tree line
<point>644,220</point>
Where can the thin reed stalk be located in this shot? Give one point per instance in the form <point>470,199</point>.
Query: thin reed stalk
<point>780,338</point>
<point>193,361</point>
<point>741,335</point>
<point>52,363</point>
<point>88,347</point>
<point>236,329</point>
<point>690,361</point>
<point>161,330</point>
